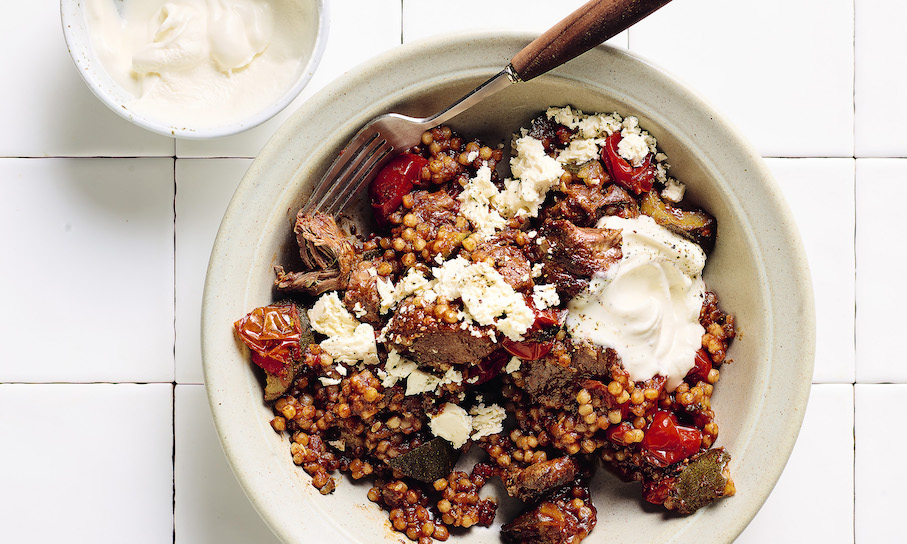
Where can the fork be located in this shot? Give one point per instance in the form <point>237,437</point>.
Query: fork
<point>374,145</point>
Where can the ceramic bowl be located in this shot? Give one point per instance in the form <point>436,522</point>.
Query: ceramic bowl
<point>758,268</point>
<point>308,46</point>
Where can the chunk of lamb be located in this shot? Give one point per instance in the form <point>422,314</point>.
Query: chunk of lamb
<point>430,340</point>
<point>555,385</point>
<point>566,517</point>
<point>361,297</point>
<point>509,259</point>
<point>570,255</point>
<point>326,251</point>
<point>583,205</point>
<point>530,483</point>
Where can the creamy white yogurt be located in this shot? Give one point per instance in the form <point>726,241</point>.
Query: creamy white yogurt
<point>198,63</point>
<point>646,306</point>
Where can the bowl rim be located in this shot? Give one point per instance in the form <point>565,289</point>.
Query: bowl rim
<point>92,81</point>
<point>798,272</point>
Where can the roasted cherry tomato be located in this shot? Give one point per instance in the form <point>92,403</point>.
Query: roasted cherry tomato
<point>489,367</point>
<point>536,343</point>
<point>636,179</point>
<point>665,442</point>
<point>529,351</point>
<point>702,365</point>
<point>272,333</point>
<point>393,181</point>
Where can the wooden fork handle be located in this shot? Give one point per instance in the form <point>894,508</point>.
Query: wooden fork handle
<point>591,24</point>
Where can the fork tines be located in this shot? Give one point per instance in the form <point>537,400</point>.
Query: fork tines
<point>349,172</point>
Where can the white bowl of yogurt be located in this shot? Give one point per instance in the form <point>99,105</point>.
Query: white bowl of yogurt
<point>195,68</point>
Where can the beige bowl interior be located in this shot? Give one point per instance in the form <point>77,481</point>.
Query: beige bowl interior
<point>758,269</point>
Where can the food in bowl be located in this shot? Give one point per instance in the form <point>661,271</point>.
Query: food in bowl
<point>199,63</point>
<point>556,320</point>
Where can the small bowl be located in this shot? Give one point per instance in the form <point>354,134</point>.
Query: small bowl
<point>78,40</point>
<point>758,268</point>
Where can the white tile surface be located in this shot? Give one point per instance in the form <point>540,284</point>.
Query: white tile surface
<point>427,18</point>
<point>880,470</point>
<point>210,505</point>
<point>782,71</point>
<point>813,501</point>
<point>204,188</point>
<point>47,109</point>
<point>880,300</point>
<point>820,193</point>
<point>880,82</point>
<point>86,463</point>
<point>351,41</point>
<point>88,267</point>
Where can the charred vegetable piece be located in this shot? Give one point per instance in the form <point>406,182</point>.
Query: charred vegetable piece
<point>695,225</point>
<point>393,181</point>
<point>637,179</point>
<point>705,478</point>
<point>430,461</point>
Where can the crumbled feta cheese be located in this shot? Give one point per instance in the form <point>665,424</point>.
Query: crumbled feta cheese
<point>545,296</point>
<point>330,317</point>
<point>476,201</point>
<point>452,424</point>
<point>413,282</point>
<point>633,147</point>
<point>472,155</point>
<point>487,298</point>
<point>599,126</point>
<point>535,173</point>
<point>578,152</point>
<point>673,190</point>
<point>351,348</point>
<point>537,270</point>
<point>386,292</point>
<point>396,368</point>
<point>358,310</point>
<point>487,420</point>
<point>419,382</point>
<point>329,381</point>
<point>566,116</point>
<point>513,365</point>
<point>341,370</point>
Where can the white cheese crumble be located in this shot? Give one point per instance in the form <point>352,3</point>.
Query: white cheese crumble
<point>579,151</point>
<point>534,172</point>
<point>487,298</point>
<point>386,292</point>
<point>351,348</point>
<point>513,365</point>
<point>419,382</point>
<point>633,147</point>
<point>476,204</point>
<point>452,424</point>
<point>545,296</point>
<point>487,420</point>
<point>329,381</point>
<point>673,190</point>
<point>537,270</point>
<point>396,368</point>
<point>330,317</point>
<point>359,311</point>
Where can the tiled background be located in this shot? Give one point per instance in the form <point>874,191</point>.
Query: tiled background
<point>105,434</point>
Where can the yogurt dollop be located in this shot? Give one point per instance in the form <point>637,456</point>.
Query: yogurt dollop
<point>198,63</point>
<point>646,306</point>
